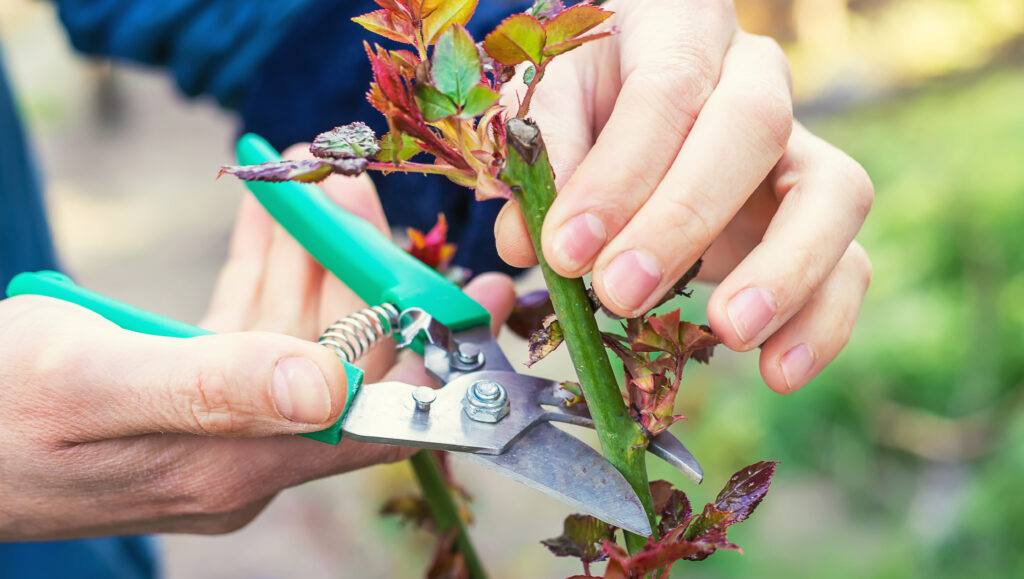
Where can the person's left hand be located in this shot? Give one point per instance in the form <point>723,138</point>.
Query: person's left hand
<point>675,139</point>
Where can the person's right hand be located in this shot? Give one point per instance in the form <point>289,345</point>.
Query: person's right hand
<point>105,431</point>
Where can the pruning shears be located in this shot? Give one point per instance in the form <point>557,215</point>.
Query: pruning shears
<point>483,411</point>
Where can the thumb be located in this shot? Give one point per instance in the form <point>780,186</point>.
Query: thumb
<point>243,384</point>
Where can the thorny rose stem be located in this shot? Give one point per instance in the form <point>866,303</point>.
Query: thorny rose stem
<point>531,178</point>
<point>442,507</point>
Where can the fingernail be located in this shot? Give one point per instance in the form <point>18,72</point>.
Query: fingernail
<point>750,311</point>
<point>796,364</point>
<point>631,277</point>
<point>578,241</point>
<point>300,391</point>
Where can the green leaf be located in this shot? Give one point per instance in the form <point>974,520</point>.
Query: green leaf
<point>574,22</point>
<point>582,536</point>
<point>440,15</point>
<point>389,153</point>
<point>529,74</point>
<point>480,99</point>
<point>354,140</point>
<point>456,64</point>
<point>519,38</point>
<point>433,104</point>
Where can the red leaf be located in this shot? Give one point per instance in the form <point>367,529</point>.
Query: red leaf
<point>573,22</point>
<point>518,38</point>
<point>487,187</point>
<point>432,248</point>
<point>389,24</point>
<point>582,537</point>
<point>529,312</point>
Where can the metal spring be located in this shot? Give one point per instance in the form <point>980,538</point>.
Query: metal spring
<point>352,336</point>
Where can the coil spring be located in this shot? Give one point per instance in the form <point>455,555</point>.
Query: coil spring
<point>352,336</point>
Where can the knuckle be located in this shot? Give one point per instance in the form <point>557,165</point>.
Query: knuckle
<point>688,222</point>
<point>677,83</point>
<point>206,404</point>
<point>769,108</point>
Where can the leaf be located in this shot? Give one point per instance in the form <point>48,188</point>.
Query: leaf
<point>529,312</point>
<point>573,22</point>
<point>456,64</point>
<point>582,537</point>
<point>545,340</point>
<point>529,74</point>
<point>487,187</point>
<point>304,171</point>
<point>671,507</point>
<point>388,152</point>
<point>479,99</point>
<point>741,495</point>
<point>410,509</point>
<point>388,24</point>
<point>434,105</point>
<point>518,38</point>
<point>432,248</point>
<point>440,15</point>
<point>354,140</point>
<point>553,50</point>
<point>348,167</point>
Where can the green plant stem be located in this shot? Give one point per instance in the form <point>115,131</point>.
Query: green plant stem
<point>531,178</point>
<point>443,508</point>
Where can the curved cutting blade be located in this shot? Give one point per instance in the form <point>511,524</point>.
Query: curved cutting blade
<point>668,448</point>
<point>559,465</point>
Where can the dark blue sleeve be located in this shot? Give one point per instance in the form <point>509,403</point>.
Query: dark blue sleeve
<point>211,46</point>
<point>306,87</point>
<point>24,234</point>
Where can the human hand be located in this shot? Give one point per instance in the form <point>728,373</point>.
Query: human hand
<point>107,431</point>
<point>675,139</point>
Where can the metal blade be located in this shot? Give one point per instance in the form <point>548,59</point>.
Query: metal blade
<point>559,465</point>
<point>668,448</point>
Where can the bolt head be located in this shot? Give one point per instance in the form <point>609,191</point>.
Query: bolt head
<point>486,401</point>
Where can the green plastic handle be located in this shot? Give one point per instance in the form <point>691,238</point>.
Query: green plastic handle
<point>376,269</point>
<point>60,286</point>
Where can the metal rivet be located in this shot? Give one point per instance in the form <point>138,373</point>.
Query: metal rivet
<point>424,397</point>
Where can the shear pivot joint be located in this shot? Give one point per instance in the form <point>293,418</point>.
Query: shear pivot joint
<point>486,401</point>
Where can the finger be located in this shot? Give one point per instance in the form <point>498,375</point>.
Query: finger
<point>238,284</point>
<point>813,337</point>
<point>512,237</point>
<point>560,107</point>
<point>246,384</point>
<point>740,135</point>
<point>291,282</point>
<point>825,197</point>
<point>669,66</point>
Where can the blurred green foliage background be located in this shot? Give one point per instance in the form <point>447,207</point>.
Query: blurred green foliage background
<point>905,458</point>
